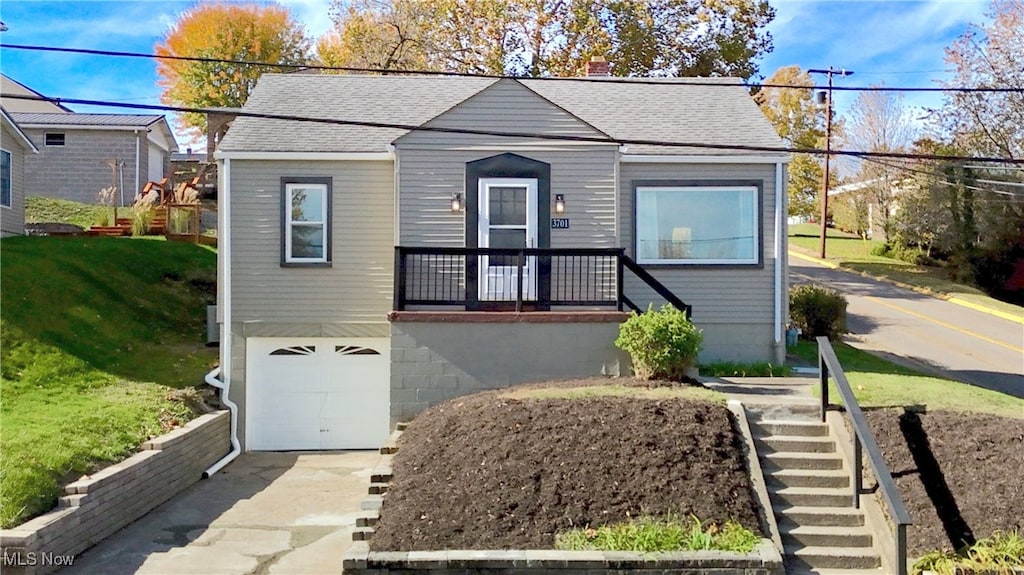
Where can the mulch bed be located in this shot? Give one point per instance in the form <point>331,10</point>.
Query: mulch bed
<point>960,475</point>
<point>491,472</point>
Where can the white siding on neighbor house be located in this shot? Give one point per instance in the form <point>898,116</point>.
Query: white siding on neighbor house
<point>357,288</point>
<point>12,219</point>
<point>156,163</point>
<point>718,294</point>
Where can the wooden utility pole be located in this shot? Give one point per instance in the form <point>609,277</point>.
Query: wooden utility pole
<point>828,147</point>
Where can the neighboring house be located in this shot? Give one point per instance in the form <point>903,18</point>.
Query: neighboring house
<point>14,146</point>
<point>373,268</point>
<point>856,209</point>
<point>11,87</point>
<point>81,154</point>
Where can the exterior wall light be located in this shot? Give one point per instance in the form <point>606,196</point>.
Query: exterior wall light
<point>456,203</point>
<point>559,203</point>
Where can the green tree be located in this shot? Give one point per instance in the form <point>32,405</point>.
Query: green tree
<point>554,37</point>
<point>254,32</point>
<point>801,124</point>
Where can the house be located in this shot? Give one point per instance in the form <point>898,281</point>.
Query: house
<point>14,147</point>
<point>81,154</point>
<point>11,87</point>
<point>446,235</point>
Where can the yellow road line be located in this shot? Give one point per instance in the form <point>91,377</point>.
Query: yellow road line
<point>825,263</point>
<point>971,305</point>
<point>944,324</point>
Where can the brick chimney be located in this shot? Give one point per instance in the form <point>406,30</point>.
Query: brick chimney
<point>597,66</point>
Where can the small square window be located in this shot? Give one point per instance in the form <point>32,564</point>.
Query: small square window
<point>54,138</point>
<point>306,222</point>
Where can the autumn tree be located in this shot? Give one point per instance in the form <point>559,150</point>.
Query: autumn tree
<point>801,124</point>
<point>989,56</point>
<point>249,32</point>
<point>878,122</point>
<point>553,37</point>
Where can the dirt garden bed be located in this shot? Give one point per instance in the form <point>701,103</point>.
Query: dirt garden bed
<point>959,473</point>
<point>509,469</point>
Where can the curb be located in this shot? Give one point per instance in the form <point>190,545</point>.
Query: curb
<point>951,299</point>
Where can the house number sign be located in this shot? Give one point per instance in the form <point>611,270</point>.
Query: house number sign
<point>559,223</point>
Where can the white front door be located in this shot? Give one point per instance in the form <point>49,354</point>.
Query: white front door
<point>508,219</point>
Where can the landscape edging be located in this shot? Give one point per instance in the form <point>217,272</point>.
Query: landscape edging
<point>99,505</point>
<point>765,559</point>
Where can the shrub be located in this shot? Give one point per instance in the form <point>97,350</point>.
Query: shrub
<point>662,344</point>
<point>884,250</point>
<point>142,213</point>
<point>1000,553</point>
<point>817,311</point>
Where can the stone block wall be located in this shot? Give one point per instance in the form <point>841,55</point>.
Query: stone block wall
<point>78,170</point>
<point>97,506</point>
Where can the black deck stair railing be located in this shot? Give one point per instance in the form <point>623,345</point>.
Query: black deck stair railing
<point>520,278</point>
<point>864,443</point>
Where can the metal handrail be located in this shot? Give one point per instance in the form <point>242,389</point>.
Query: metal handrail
<point>828,363</point>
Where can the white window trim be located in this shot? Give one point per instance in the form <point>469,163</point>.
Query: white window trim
<point>10,179</point>
<point>288,257</point>
<point>692,261</point>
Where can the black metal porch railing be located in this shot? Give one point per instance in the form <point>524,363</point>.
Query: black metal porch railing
<point>864,443</point>
<point>520,279</point>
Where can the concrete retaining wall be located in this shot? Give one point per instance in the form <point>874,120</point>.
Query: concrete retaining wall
<point>439,356</point>
<point>96,507</point>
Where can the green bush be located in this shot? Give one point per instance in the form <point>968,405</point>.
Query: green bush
<point>662,344</point>
<point>884,250</point>
<point>817,311</point>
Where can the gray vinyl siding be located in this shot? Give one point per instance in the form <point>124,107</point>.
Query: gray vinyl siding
<point>432,167</point>
<point>356,288</point>
<point>12,219</point>
<point>718,294</point>
<point>429,177</point>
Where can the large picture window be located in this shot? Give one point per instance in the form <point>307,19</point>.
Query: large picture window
<point>5,178</point>
<point>306,222</point>
<point>697,224</point>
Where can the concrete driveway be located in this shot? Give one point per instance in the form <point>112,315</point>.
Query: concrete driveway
<point>265,513</point>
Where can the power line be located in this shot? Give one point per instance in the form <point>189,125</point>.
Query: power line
<point>606,79</point>
<point>948,183</point>
<point>531,135</point>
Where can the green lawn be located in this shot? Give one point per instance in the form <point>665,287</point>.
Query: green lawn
<point>100,336</point>
<point>877,382</point>
<point>853,253</point>
<point>51,210</point>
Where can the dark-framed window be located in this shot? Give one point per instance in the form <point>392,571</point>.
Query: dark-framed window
<point>306,210</point>
<point>698,223</point>
<point>54,138</point>
<point>5,178</point>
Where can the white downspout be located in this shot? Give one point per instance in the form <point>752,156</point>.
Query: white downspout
<point>780,205</point>
<point>138,138</point>
<point>224,247</point>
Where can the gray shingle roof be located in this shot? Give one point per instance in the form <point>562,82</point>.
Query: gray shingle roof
<point>411,100</point>
<point>72,119</point>
<point>670,110</point>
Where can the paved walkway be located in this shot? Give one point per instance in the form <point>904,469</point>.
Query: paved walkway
<point>782,398</point>
<point>265,513</point>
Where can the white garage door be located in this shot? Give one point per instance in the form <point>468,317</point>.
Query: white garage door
<point>317,393</point>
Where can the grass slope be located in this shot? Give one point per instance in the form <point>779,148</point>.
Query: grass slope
<point>97,333</point>
<point>853,253</point>
<point>52,210</point>
<point>877,383</point>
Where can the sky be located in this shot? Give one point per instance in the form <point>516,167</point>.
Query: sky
<point>895,42</point>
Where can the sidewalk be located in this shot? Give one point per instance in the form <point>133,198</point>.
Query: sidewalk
<point>785,398</point>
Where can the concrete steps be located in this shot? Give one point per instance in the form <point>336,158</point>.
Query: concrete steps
<point>811,497</point>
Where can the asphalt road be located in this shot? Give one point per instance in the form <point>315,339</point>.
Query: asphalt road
<point>941,337</point>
